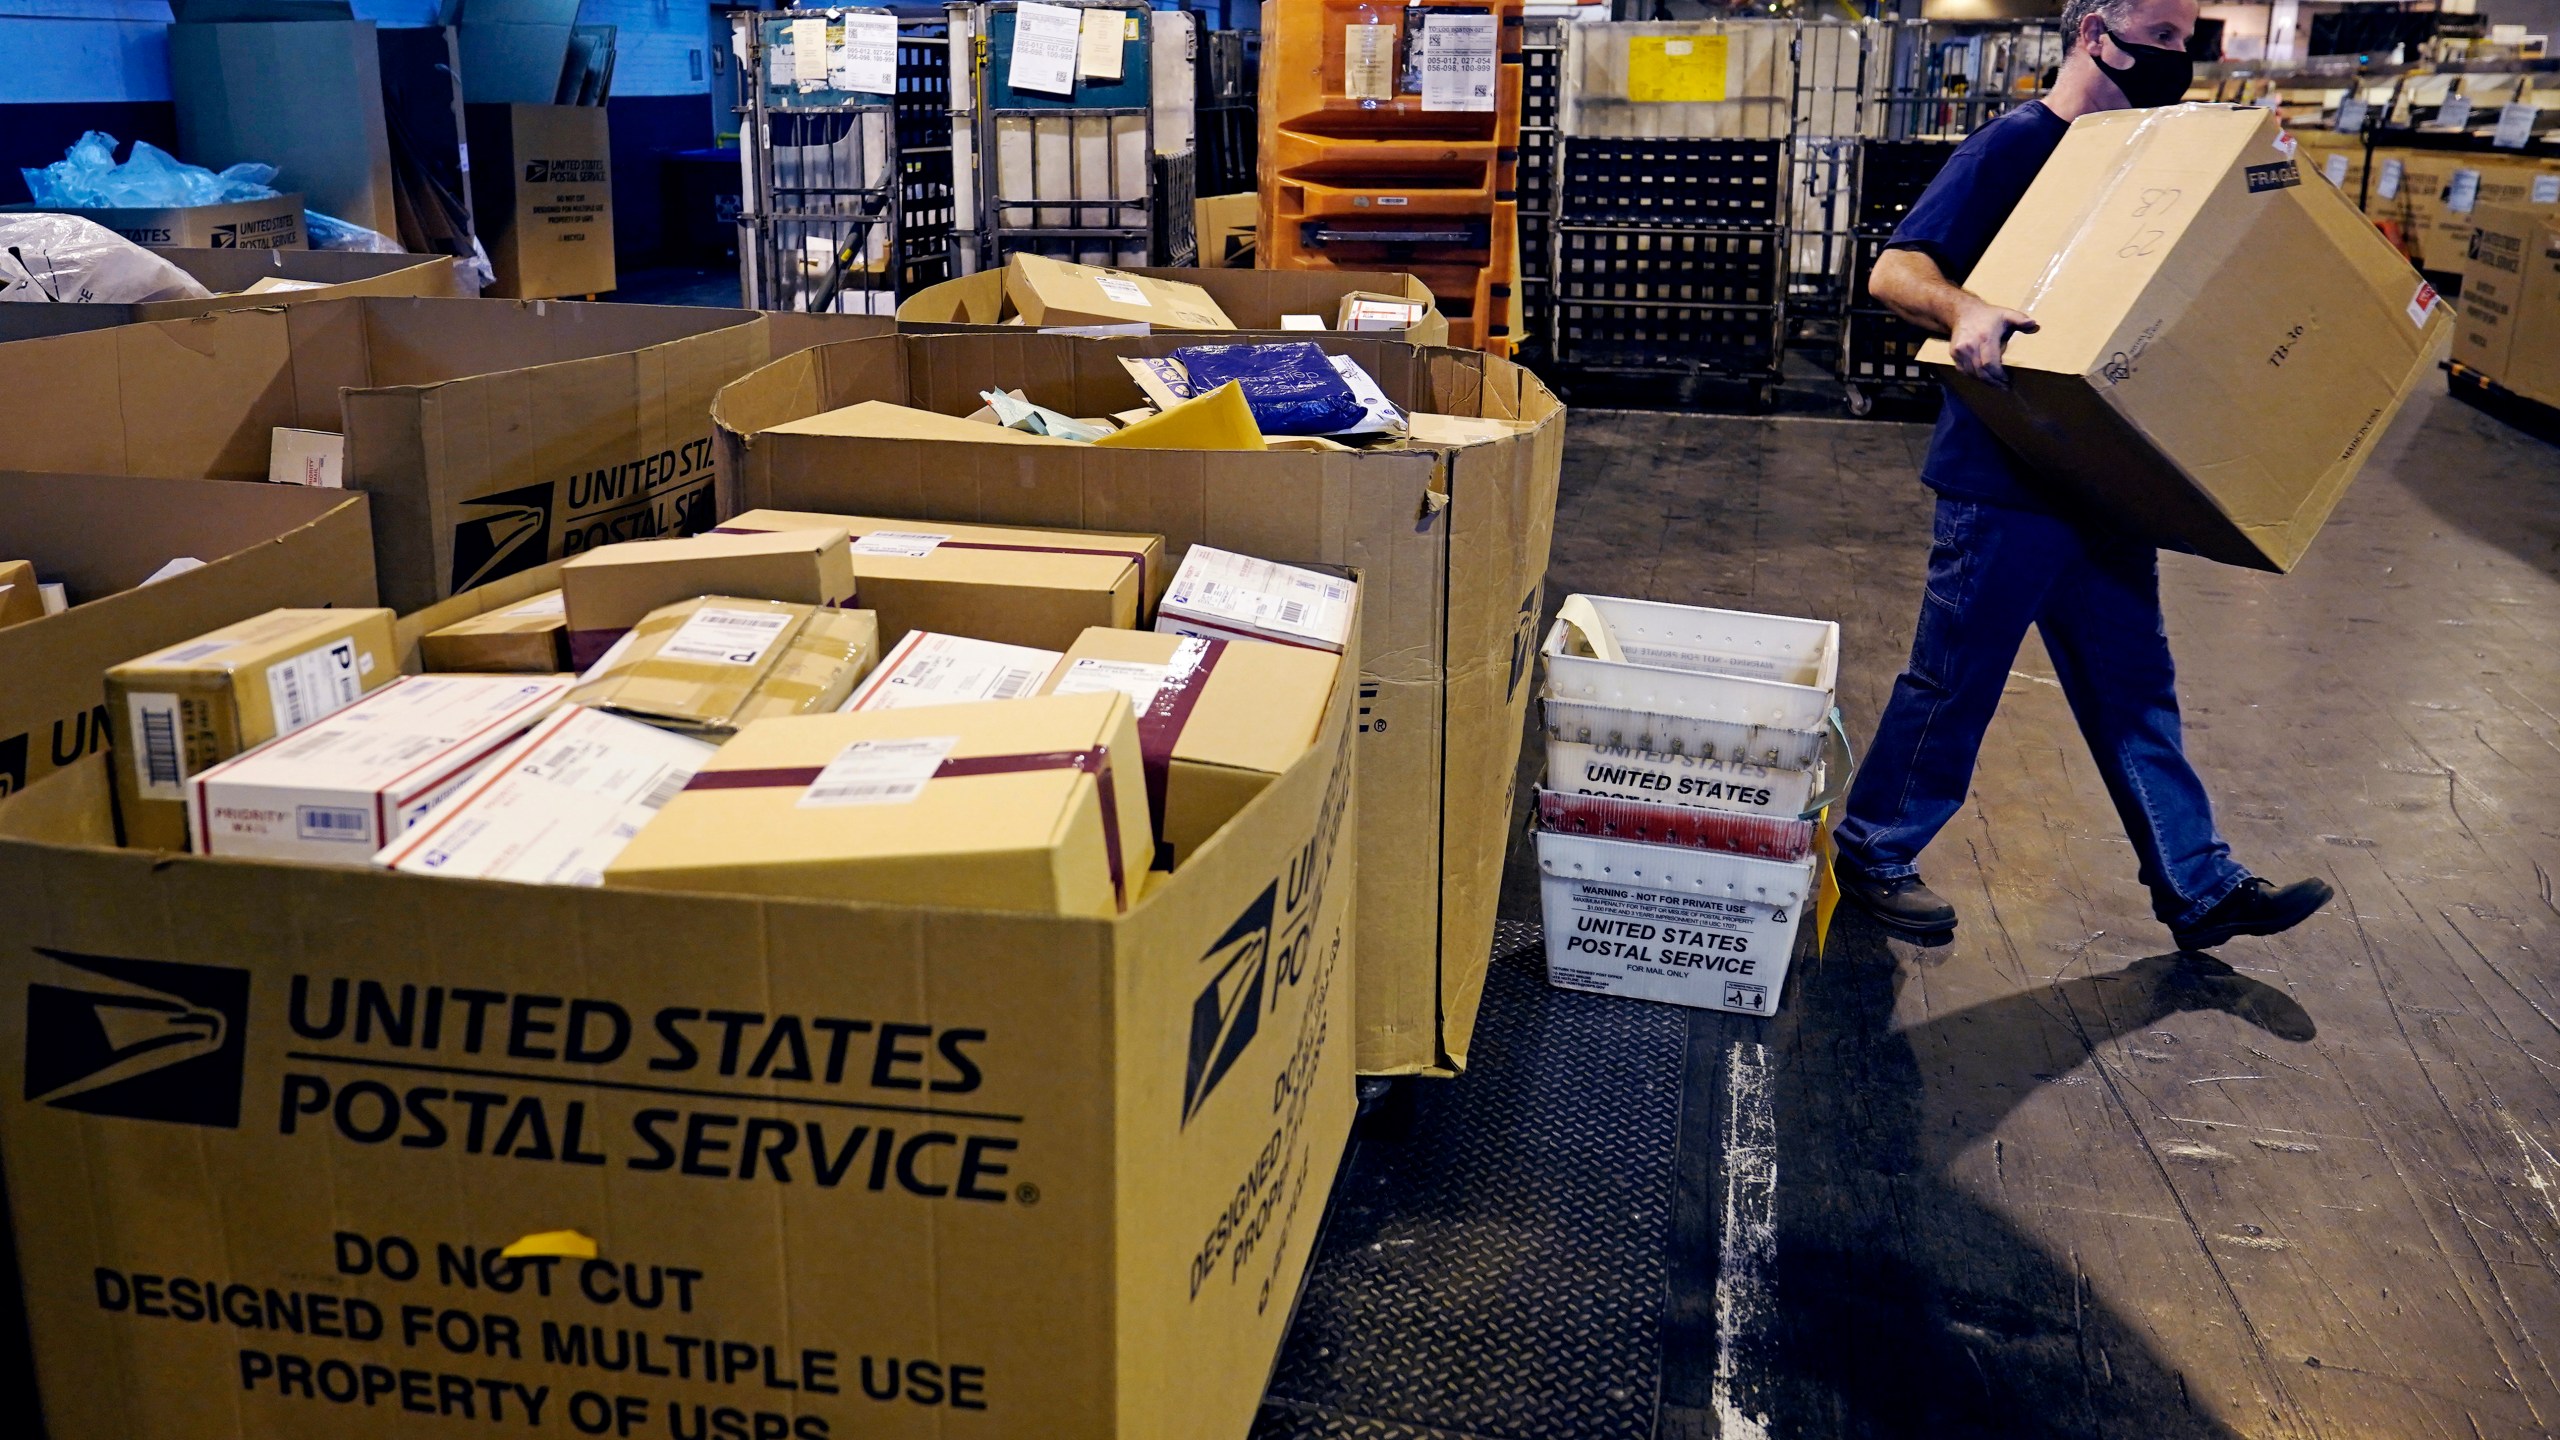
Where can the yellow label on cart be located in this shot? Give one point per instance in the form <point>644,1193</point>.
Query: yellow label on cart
<point>1674,70</point>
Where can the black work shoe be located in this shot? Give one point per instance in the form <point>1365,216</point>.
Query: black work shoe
<point>2256,908</point>
<point>1904,906</point>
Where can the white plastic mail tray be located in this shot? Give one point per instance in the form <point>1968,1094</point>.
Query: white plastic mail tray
<point>1684,660</point>
<point>1659,922</point>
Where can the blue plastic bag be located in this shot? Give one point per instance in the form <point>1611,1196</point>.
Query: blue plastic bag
<point>1291,387</point>
<point>87,177</point>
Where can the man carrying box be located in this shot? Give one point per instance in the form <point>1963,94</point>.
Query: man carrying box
<point>2007,554</point>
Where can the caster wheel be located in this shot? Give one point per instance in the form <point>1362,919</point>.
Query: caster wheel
<point>1861,404</point>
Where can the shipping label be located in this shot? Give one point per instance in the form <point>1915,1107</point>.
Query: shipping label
<point>1602,936</point>
<point>315,684</point>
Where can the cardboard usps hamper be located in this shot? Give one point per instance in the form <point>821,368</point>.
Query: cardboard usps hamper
<point>1450,543</point>
<point>492,435</point>
<point>961,1173</point>
<point>264,547</point>
<point>330,274</point>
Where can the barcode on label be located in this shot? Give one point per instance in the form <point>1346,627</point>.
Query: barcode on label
<point>312,685</point>
<point>321,822</point>
<point>1012,683</point>
<point>665,790</point>
<point>726,637</point>
<point>1293,612</point>
<point>160,748</point>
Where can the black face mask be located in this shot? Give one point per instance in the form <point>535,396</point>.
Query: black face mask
<point>2156,77</point>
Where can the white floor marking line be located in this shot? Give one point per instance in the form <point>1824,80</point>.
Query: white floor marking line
<point>1744,1300</point>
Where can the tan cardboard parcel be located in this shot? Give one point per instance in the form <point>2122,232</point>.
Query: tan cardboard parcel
<point>492,435</point>
<point>1254,299</point>
<point>1449,543</point>
<point>2510,327</point>
<point>2220,343</point>
<point>264,546</point>
<point>872,1170</point>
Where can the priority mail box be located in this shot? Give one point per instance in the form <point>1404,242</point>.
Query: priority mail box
<point>529,637</point>
<point>1044,291</point>
<point>1254,299</point>
<point>556,806</point>
<point>264,546</point>
<point>1448,541</point>
<point>186,708</point>
<point>1011,584</point>
<point>492,435</point>
<point>1102,1145</point>
<point>1217,721</point>
<point>2219,345</point>
<point>1220,595</point>
<point>712,665</point>
<point>542,197</point>
<point>608,591</point>
<point>2509,330</point>
<point>1035,805</point>
<point>343,787</point>
<point>273,223</point>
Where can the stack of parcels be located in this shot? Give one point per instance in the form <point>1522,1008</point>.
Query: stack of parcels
<point>1270,395</point>
<point>997,734</point>
<point>1691,754</point>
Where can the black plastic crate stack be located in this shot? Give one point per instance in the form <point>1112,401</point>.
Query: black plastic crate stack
<point>1541,112</point>
<point>1877,347</point>
<point>927,201</point>
<point>1225,114</point>
<point>1671,256</point>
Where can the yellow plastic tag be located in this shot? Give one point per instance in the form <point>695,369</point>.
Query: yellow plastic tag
<point>1676,70</point>
<point>568,1244</point>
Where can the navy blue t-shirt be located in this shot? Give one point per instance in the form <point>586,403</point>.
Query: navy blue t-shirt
<point>1953,224</point>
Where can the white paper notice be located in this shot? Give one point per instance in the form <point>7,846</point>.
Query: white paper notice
<point>2515,125</point>
<point>541,605</point>
<point>2463,193</point>
<point>2350,116</point>
<point>1045,41</point>
<point>714,636</point>
<point>2456,113</point>
<point>1459,61</point>
<point>2546,189</point>
<point>868,62</point>
<point>2386,182</point>
<point>1369,62</point>
<point>878,772</point>
<point>809,52</point>
<point>909,544</point>
<point>1098,44</point>
<point>1121,291</point>
<point>2335,170</point>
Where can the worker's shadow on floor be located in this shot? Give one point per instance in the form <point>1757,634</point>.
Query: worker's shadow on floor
<point>1909,1306</point>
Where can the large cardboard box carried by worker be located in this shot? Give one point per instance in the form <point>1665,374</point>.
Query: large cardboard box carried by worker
<point>1449,544</point>
<point>910,1172</point>
<point>2509,329</point>
<point>492,435</point>
<point>2220,344</point>
<point>263,546</point>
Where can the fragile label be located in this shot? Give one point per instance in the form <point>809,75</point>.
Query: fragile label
<point>2386,181</point>
<point>2281,175</point>
<point>1121,290</point>
<point>878,772</point>
<point>1046,39</point>
<point>160,764</point>
<point>867,61</point>
<point>1458,61</point>
<point>906,544</point>
<point>715,636</point>
<point>2422,304</point>
<point>313,684</point>
<point>2515,125</point>
<point>1369,62</point>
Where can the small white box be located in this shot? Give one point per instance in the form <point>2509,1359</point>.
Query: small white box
<point>929,669</point>
<point>1700,928</point>
<point>556,806</point>
<point>315,458</point>
<point>1220,595</point>
<point>338,790</point>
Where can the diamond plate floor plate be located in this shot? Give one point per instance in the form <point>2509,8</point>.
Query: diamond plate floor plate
<point>1497,1273</point>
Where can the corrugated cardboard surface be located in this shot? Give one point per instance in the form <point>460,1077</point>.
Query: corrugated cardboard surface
<point>492,435</point>
<point>2510,325</point>
<point>2222,337</point>
<point>265,546</point>
<point>542,197</point>
<point>1450,547</point>
<point>338,274</point>
<point>303,96</point>
<point>2438,236</point>
<point>1254,299</point>
<point>1147,1114</point>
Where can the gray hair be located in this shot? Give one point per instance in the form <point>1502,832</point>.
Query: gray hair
<point>2115,13</point>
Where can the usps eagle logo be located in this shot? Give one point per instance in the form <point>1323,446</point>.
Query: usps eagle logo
<point>140,1039</point>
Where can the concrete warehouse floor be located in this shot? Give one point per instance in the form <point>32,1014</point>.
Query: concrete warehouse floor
<point>2044,1180</point>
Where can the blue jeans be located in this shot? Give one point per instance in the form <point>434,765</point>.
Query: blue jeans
<point>1992,572</point>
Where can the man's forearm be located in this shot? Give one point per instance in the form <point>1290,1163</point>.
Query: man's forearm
<point>1908,284</point>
